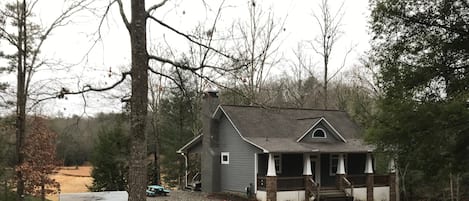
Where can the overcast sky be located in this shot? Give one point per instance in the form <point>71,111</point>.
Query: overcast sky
<point>70,44</point>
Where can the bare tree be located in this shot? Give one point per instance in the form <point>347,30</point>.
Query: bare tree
<point>329,24</point>
<point>301,88</point>
<point>259,40</point>
<point>157,90</point>
<point>19,31</point>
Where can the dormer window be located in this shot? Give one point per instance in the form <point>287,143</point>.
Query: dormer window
<point>319,133</point>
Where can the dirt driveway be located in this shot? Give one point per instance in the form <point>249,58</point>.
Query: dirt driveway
<point>183,195</point>
<point>194,196</point>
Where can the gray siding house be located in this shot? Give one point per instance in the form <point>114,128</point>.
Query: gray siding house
<point>285,154</point>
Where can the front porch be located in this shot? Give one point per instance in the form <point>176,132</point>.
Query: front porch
<point>321,176</point>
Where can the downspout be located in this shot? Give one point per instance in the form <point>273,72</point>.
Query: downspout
<point>186,167</point>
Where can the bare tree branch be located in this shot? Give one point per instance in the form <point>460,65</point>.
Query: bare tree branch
<point>187,67</point>
<point>156,6</point>
<point>210,39</point>
<point>122,13</point>
<point>86,88</point>
<point>189,38</point>
<point>59,21</point>
<point>343,63</point>
<point>98,32</point>
<point>166,76</point>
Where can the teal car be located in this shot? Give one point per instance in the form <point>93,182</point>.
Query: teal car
<point>154,190</point>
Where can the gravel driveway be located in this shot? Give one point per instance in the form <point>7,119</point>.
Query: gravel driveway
<point>183,196</point>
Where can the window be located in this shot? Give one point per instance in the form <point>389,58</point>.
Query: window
<point>278,163</point>
<point>319,133</point>
<point>334,162</point>
<point>225,157</point>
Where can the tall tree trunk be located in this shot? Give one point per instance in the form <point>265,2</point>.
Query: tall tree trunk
<point>138,102</point>
<point>451,186</point>
<point>43,190</point>
<point>5,192</point>
<point>156,157</point>
<point>21,95</point>
<point>326,61</point>
<point>156,168</point>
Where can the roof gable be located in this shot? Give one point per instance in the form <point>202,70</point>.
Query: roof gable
<point>219,112</point>
<point>328,126</point>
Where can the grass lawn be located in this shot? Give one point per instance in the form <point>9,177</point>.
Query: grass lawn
<point>72,180</point>
<point>12,196</point>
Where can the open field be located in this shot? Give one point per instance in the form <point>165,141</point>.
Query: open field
<point>72,180</point>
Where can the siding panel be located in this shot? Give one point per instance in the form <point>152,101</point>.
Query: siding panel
<point>239,173</point>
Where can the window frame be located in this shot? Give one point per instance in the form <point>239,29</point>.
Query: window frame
<point>319,129</point>
<point>278,162</point>
<point>225,162</point>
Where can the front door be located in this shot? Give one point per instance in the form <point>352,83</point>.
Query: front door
<point>315,168</point>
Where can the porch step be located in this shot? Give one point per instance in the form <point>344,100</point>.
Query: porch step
<point>333,195</point>
<point>337,199</point>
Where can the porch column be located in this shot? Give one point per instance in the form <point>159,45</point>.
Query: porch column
<point>392,181</point>
<point>271,180</point>
<point>307,173</point>
<point>369,177</point>
<point>340,174</point>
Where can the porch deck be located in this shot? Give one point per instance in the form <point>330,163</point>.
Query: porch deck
<point>298,183</point>
<point>283,183</point>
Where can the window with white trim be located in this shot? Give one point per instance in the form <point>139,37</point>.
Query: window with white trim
<point>225,158</point>
<point>319,133</point>
<point>334,162</point>
<point>278,163</point>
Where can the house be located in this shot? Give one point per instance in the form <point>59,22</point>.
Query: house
<point>286,154</point>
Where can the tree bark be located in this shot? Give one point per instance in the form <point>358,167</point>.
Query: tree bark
<point>138,102</point>
<point>21,96</point>
<point>43,190</point>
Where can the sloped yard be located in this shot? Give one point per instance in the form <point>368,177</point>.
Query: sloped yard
<point>179,195</point>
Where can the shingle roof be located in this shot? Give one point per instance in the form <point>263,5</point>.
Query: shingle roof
<point>277,129</point>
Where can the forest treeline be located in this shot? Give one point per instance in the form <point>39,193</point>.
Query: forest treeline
<point>101,140</point>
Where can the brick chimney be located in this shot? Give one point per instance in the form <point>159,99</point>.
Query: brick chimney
<point>210,163</point>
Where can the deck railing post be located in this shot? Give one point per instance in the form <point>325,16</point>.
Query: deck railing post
<point>271,188</point>
<point>369,177</point>
<point>340,174</point>
<point>392,181</point>
<point>271,180</point>
<point>308,187</point>
<point>307,173</point>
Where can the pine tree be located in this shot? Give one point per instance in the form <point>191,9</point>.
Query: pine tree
<point>109,160</point>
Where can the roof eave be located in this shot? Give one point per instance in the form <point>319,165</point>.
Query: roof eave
<point>191,143</point>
